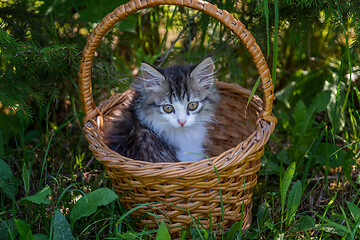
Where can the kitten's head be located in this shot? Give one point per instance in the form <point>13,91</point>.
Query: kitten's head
<point>177,97</point>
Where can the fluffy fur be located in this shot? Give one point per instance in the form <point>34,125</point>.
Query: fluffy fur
<point>169,115</point>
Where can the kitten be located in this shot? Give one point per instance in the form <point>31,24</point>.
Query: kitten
<point>168,116</point>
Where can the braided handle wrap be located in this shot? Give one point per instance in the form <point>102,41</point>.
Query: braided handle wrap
<point>121,12</point>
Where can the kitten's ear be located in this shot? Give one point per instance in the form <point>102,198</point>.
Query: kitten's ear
<point>203,74</point>
<point>151,77</point>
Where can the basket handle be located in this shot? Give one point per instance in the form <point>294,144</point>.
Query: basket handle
<point>121,12</point>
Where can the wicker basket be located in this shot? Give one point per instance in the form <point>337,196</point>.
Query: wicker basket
<point>184,191</point>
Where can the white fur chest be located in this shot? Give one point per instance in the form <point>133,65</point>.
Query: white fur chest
<point>189,140</point>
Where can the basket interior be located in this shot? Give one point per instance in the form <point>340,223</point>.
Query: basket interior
<point>235,121</point>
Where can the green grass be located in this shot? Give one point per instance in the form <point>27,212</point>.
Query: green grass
<point>51,187</point>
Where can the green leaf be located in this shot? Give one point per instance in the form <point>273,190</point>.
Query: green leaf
<point>304,223</point>
<point>302,85</point>
<point>40,236</point>
<point>233,231</point>
<point>88,204</point>
<point>285,183</point>
<point>272,167</point>
<point>9,188</point>
<point>294,200</point>
<point>3,230</point>
<point>328,153</point>
<point>301,118</point>
<point>304,116</point>
<point>61,227</point>
<point>7,227</point>
<point>26,179</point>
<point>163,233</point>
<point>7,181</point>
<point>337,226</point>
<point>129,235</point>
<point>269,225</point>
<point>320,102</point>
<point>24,230</point>
<point>40,197</point>
<point>5,171</point>
<point>355,211</point>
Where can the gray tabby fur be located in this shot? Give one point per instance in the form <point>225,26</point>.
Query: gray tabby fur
<point>141,129</point>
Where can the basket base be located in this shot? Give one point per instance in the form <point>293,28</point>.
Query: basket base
<point>177,230</point>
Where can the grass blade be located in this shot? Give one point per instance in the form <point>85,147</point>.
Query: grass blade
<point>349,58</point>
<point>326,210</point>
<point>253,91</point>
<point>276,35</point>
<point>26,179</point>
<point>266,13</point>
<point>335,225</point>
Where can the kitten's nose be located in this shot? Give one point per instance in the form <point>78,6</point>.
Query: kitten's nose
<point>181,122</point>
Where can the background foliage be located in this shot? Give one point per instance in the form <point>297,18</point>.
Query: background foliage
<point>308,184</point>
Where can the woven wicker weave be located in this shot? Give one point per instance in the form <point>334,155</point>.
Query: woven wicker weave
<point>183,191</point>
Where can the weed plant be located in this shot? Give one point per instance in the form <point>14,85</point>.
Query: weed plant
<point>51,187</point>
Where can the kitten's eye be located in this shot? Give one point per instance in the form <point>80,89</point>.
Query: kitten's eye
<point>193,106</point>
<point>168,108</point>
